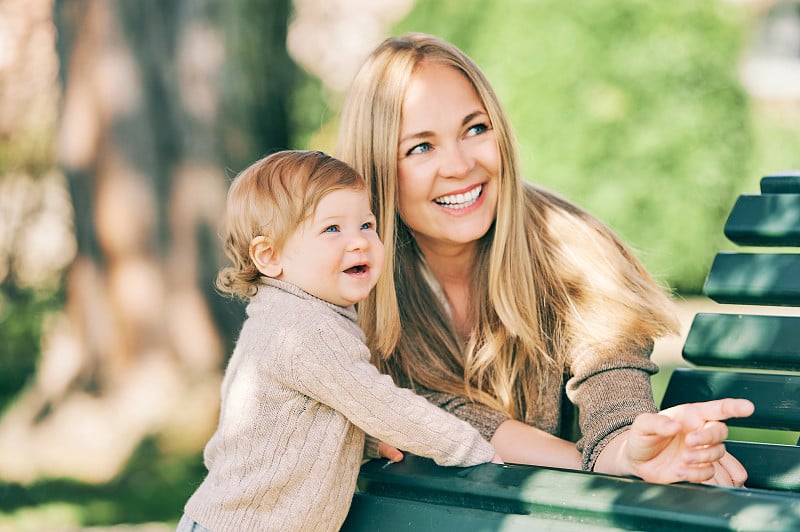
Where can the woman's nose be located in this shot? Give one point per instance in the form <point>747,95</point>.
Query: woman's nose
<point>456,161</point>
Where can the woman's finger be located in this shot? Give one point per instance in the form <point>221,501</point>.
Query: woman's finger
<point>734,469</point>
<point>702,473</point>
<point>704,455</point>
<point>721,477</point>
<point>722,409</point>
<point>712,433</point>
<point>655,425</point>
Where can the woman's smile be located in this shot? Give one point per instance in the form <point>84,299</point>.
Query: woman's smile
<point>460,200</point>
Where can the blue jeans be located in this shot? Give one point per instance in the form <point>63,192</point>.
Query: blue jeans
<point>187,525</point>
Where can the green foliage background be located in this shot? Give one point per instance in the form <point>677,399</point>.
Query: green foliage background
<point>630,108</point>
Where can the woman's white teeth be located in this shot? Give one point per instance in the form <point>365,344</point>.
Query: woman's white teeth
<point>460,201</point>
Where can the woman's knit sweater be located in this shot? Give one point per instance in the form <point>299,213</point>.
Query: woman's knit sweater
<point>297,397</point>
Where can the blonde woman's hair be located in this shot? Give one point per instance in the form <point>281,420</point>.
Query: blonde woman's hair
<point>271,198</point>
<point>549,280</point>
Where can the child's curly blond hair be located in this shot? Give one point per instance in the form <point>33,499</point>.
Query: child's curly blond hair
<point>270,199</point>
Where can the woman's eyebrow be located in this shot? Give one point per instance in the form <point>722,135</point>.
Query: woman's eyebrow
<point>471,116</point>
<point>426,134</point>
<point>419,135</point>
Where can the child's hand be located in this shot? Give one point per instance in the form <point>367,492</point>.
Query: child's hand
<point>496,459</point>
<point>387,451</point>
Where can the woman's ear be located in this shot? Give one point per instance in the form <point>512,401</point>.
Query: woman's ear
<point>265,258</point>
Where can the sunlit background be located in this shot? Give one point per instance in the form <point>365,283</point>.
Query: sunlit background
<point>122,122</point>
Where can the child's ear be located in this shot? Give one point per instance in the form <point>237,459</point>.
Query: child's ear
<point>264,257</point>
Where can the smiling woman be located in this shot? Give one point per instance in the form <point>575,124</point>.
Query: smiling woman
<point>509,296</point>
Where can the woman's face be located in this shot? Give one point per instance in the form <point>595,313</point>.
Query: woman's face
<point>448,161</point>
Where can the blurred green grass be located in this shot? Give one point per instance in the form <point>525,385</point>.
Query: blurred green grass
<point>153,488</point>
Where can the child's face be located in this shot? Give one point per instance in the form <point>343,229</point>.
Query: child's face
<point>336,254</point>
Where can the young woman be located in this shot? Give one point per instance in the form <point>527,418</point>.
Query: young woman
<point>498,297</point>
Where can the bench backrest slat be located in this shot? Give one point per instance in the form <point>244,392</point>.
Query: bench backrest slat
<point>776,396</point>
<point>765,220</point>
<point>744,341</point>
<point>787,182</point>
<point>755,279</point>
<point>770,466</point>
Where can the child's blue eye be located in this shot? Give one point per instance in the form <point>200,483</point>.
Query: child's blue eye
<point>331,229</point>
<point>366,226</point>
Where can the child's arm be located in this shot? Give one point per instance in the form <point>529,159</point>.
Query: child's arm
<point>373,448</point>
<point>343,379</point>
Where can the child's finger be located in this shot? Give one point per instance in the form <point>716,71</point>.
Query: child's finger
<point>387,451</point>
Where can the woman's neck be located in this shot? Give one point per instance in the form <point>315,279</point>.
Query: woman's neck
<point>452,269</point>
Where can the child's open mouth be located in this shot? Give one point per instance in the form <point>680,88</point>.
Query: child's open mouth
<point>356,270</point>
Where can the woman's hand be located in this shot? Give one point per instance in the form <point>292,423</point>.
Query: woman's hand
<point>682,443</point>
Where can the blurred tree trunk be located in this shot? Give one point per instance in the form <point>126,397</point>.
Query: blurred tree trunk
<point>163,102</point>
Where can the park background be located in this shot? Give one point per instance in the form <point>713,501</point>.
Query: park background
<point>122,122</point>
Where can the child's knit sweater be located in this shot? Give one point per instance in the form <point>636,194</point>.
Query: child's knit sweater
<point>298,394</point>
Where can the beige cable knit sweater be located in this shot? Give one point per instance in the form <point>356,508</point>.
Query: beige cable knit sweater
<point>297,396</point>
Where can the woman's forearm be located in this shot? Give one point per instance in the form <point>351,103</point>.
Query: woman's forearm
<point>519,443</point>
<point>611,458</point>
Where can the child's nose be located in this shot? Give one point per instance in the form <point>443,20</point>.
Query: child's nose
<point>358,241</point>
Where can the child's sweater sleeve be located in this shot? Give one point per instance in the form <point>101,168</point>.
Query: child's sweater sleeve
<point>339,374</point>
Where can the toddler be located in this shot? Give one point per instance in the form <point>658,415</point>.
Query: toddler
<point>299,391</point>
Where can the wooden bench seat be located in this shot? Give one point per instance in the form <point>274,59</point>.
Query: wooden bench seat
<point>418,495</point>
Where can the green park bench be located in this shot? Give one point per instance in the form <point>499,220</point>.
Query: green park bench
<point>755,356</point>
<point>742,355</point>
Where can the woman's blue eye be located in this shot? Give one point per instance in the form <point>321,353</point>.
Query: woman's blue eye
<point>331,229</point>
<point>419,148</point>
<point>477,129</point>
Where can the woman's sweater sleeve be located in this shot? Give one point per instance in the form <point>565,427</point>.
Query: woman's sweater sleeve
<point>610,392</point>
<point>483,418</point>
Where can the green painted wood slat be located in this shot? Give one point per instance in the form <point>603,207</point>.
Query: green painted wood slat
<point>754,279</point>
<point>769,465</point>
<point>765,220</point>
<point>776,396</point>
<point>786,182</point>
<point>744,341</point>
<point>415,494</point>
